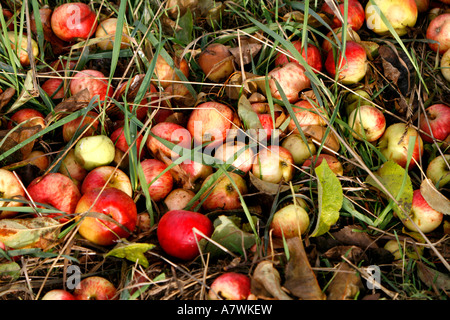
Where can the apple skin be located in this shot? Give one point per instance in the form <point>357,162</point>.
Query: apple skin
<point>306,115</point>
<point>176,236</point>
<point>299,149</point>
<point>56,190</point>
<point>422,5</point>
<point>368,123</point>
<point>290,221</point>
<point>108,27</point>
<point>107,176</point>
<point>333,163</point>
<point>439,30</point>
<point>438,170</point>
<point>179,198</point>
<point>445,65</point>
<point>352,65</point>
<point>311,55</point>
<point>95,288</point>
<point>26,114</point>
<point>39,158</point>
<point>438,116</point>
<point>327,45</point>
<point>10,187</point>
<point>50,86</point>
<point>58,294</point>
<point>94,151</point>
<point>71,168</point>
<point>216,62</point>
<point>112,202</point>
<point>210,121</point>
<point>93,80</point>
<point>426,218</point>
<point>393,144</point>
<point>171,132</point>
<point>73,21</point>
<point>8,15</point>
<point>161,187</point>
<point>79,125</point>
<point>274,164</point>
<point>222,195</point>
<point>121,143</point>
<point>291,78</point>
<point>165,74</point>
<point>401,14</point>
<point>229,153</point>
<point>197,171</point>
<point>22,49</point>
<point>230,286</point>
<point>355,15</point>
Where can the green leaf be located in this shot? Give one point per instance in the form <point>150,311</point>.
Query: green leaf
<point>133,252</point>
<point>247,115</point>
<point>330,198</point>
<point>396,182</point>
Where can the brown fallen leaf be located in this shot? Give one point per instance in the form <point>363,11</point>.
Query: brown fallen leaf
<point>350,235</point>
<point>246,51</point>
<point>433,278</point>
<point>6,96</point>
<point>434,198</point>
<point>301,280</point>
<point>266,282</point>
<point>345,285</point>
<point>352,253</point>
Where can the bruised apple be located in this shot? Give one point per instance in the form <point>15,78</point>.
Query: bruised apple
<point>176,234</point>
<point>274,164</point>
<point>230,286</point>
<point>216,62</point>
<point>166,73</point>
<point>291,80</point>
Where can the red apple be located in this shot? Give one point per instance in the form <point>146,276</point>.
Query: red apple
<point>166,74</point>
<point>306,115</point>
<point>111,202</point>
<point>230,286</point>
<point>438,170</point>
<point>196,170</point>
<point>71,168</point>
<point>333,162</point>
<point>423,5</point>
<point>158,188</point>
<point>54,88</point>
<point>93,80</point>
<point>88,122</point>
<point>216,62</point>
<point>139,110</point>
<point>393,144</point>
<point>401,14</point>
<point>56,190</point>
<point>367,123</point>
<point>179,198</point>
<point>10,188</point>
<point>26,114</point>
<point>437,118</point>
<point>311,55</point>
<point>439,31</point>
<point>209,123</point>
<point>352,65</point>
<point>274,164</point>
<point>107,176</point>
<point>222,195</point>
<point>236,153</point>
<point>20,45</point>
<point>73,21</point>
<point>426,218</point>
<point>290,221</point>
<point>176,234</point>
<point>8,15</point>
<point>355,14</point>
<point>121,143</point>
<point>107,29</point>
<point>95,288</point>
<point>170,132</point>
<point>292,80</point>
<point>267,124</point>
<point>58,294</point>
<point>327,45</point>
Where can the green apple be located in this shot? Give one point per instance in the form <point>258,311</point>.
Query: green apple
<point>94,151</point>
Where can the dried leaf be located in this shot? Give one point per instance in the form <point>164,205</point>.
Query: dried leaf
<point>246,51</point>
<point>266,281</point>
<point>434,198</point>
<point>28,92</point>
<point>6,96</point>
<point>433,278</point>
<point>247,115</point>
<point>267,187</point>
<point>345,285</point>
<point>74,103</point>
<point>301,280</point>
<point>352,253</point>
<point>132,251</point>
<point>353,235</point>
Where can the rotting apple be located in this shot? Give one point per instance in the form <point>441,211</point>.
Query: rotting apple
<point>71,168</point>
<point>58,294</point>
<point>291,78</point>
<point>230,286</point>
<point>401,15</point>
<point>95,288</point>
<point>23,115</point>
<point>10,190</point>
<point>445,65</point>
<point>426,218</point>
<point>39,158</point>
<point>56,190</point>
<point>352,64</point>
<point>93,80</point>
<point>299,148</point>
<point>107,29</point>
<point>307,114</point>
<point>166,74</point>
<point>311,55</point>
<point>236,153</point>
<point>274,164</point>
<point>439,32</point>
<point>160,187</point>
<point>435,122</point>
<point>94,151</point>
<point>114,204</point>
<point>422,5</point>
<point>172,133</point>
<point>394,144</point>
<point>21,47</point>
<point>79,125</point>
<point>197,171</point>
<point>73,21</point>
<point>333,163</point>
<point>355,14</point>
<point>107,176</point>
<point>438,170</point>
<point>222,193</point>
<point>367,123</point>
<point>290,221</point>
<point>179,198</point>
<point>176,234</point>
<point>216,62</point>
<point>121,143</point>
<point>209,122</point>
